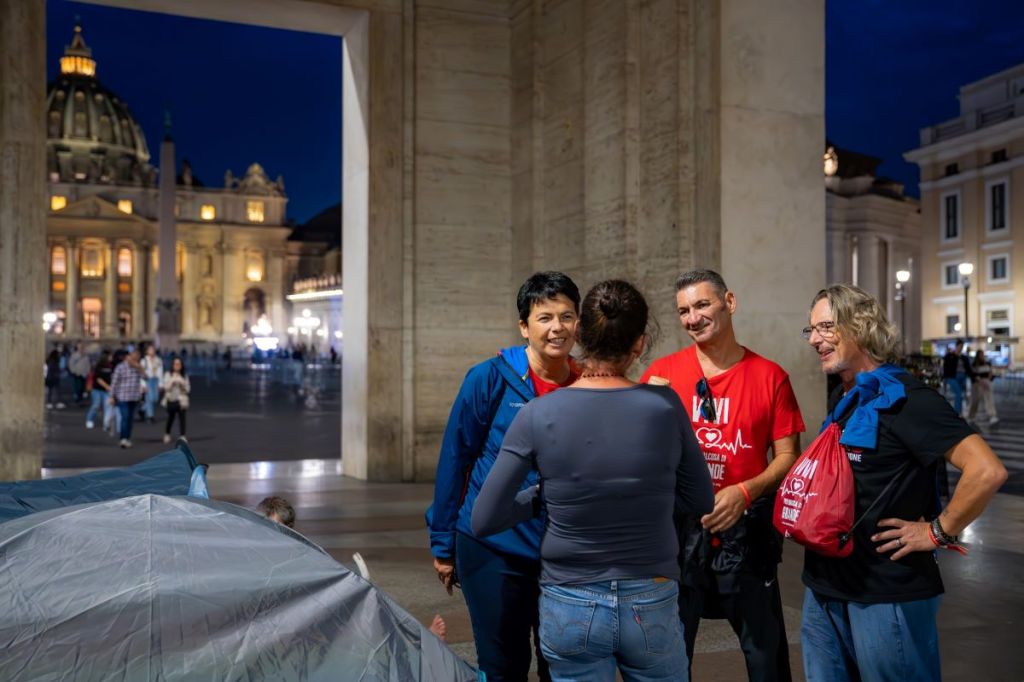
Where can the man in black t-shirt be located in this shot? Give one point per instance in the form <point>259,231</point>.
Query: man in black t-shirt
<point>872,615</point>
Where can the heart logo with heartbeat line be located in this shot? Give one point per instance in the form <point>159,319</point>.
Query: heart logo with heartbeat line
<point>709,436</point>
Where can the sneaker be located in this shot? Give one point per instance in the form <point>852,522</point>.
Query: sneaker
<point>124,443</point>
<point>167,438</point>
<point>127,443</point>
<point>993,421</point>
<point>49,406</point>
<point>61,406</point>
<point>90,425</point>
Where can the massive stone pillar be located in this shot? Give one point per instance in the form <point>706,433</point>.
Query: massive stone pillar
<point>189,288</point>
<point>771,130</point>
<point>23,283</point>
<point>868,264</point>
<point>72,312</point>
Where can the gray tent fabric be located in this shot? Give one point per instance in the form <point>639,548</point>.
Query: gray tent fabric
<point>169,473</point>
<point>178,588</point>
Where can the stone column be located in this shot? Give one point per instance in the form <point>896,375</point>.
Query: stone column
<point>231,316</point>
<point>771,126</point>
<point>72,314</point>
<point>23,282</point>
<point>139,312</point>
<point>868,264</point>
<point>189,289</point>
<point>110,290</point>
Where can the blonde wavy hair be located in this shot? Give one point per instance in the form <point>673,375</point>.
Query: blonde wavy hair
<point>860,318</point>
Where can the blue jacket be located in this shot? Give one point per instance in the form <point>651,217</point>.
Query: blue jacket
<point>491,395</point>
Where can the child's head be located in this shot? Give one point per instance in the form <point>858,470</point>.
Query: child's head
<point>278,509</point>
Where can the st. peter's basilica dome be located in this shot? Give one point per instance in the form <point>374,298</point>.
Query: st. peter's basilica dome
<point>91,135</point>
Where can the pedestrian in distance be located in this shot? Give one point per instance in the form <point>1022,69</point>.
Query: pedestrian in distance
<point>153,371</point>
<point>615,459</point>
<point>127,390</point>
<point>981,389</point>
<point>176,390</point>
<point>102,374</point>
<point>872,615</point>
<point>51,380</point>
<point>79,368</point>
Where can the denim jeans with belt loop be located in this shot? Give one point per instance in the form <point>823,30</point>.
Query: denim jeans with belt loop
<point>589,630</point>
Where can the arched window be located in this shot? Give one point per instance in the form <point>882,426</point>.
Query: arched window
<point>124,262</point>
<point>92,261</point>
<point>254,266</point>
<point>58,261</point>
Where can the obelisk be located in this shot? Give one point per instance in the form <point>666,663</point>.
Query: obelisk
<point>168,302</point>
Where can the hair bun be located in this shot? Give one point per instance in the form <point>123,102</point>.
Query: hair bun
<point>610,306</point>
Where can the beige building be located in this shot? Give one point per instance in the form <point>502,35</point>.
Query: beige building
<point>872,233</point>
<point>102,226</point>
<point>972,207</point>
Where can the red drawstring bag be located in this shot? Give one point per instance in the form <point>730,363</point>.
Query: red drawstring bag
<point>815,503</point>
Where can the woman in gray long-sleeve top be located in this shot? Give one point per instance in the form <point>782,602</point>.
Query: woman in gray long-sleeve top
<point>615,459</point>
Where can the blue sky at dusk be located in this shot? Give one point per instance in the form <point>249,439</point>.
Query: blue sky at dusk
<point>893,67</point>
<point>237,94</point>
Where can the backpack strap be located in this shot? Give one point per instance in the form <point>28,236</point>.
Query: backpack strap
<point>848,535</point>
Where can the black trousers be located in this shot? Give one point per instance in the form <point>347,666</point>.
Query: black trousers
<point>502,593</point>
<point>755,614</point>
<point>174,410</point>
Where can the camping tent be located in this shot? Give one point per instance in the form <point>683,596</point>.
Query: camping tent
<point>174,472</point>
<point>169,588</point>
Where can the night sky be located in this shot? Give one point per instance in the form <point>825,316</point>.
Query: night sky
<point>240,94</point>
<point>893,67</point>
<point>237,94</point>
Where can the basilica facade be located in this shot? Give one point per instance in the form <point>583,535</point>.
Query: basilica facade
<point>231,254</point>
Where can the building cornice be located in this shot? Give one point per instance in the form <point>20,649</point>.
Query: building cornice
<point>972,141</point>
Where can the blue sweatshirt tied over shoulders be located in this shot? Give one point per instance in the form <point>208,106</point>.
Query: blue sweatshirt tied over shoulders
<point>491,396</point>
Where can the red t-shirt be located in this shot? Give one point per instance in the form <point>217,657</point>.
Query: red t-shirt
<point>541,387</point>
<point>754,405</point>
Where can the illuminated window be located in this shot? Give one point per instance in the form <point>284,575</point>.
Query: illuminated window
<point>124,205</point>
<point>91,308</point>
<point>79,65</point>
<point>207,212</point>
<point>58,261</point>
<point>254,210</point>
<point>57,202</point>
<point>57,285</point>
<point>124,262</point>
<point>254,266</point>
<point>92,261</point>
<point>124,288</point>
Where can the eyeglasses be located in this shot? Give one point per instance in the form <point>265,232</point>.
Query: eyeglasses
<point>707,402</point>
<point>826,330</point>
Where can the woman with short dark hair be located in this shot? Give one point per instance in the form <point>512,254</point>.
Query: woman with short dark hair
<point>615,460</point>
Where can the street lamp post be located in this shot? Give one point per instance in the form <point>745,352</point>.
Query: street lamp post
<point>902,277</point>
<point>966,269</point>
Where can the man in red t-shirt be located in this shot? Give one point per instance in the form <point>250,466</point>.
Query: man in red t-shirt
<point>741,405</point>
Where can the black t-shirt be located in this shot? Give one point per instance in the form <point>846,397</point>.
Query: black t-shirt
<point>923,427</point>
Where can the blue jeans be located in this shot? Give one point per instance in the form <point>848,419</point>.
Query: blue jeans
<point>99,402</point>
<point>152,394</point>
<point>958,386</point>
<point>587,631</point>
<point>501,591</point>
<point>127,411</point>
<point>850,641</point>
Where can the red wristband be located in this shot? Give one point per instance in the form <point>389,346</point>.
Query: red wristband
<point>746,494</point>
